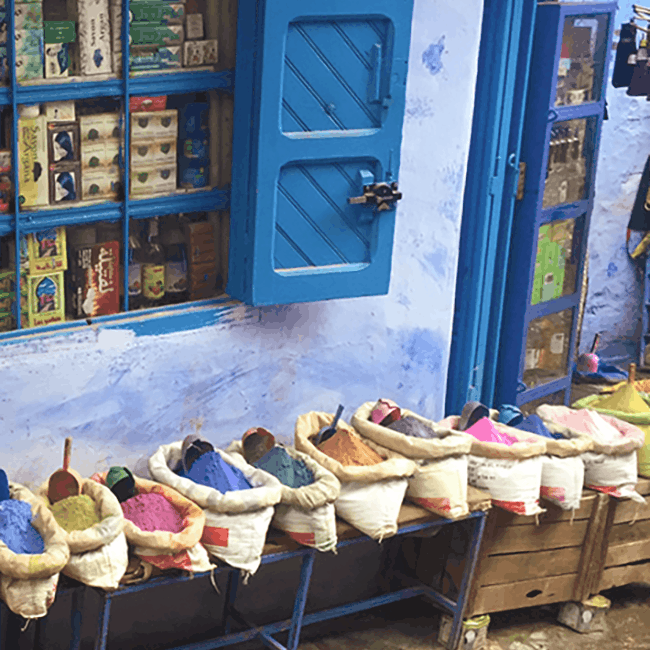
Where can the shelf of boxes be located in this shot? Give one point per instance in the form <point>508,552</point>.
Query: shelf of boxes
<point>65,177</point>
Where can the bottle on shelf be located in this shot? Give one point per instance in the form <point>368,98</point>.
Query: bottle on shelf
<point>176,281</point>
<point>136,258</point>
<point>153,268</point>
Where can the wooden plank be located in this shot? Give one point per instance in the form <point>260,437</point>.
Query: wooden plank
<point>592,560</point>
<point>553,513</point>
<point>483,554</point>
<point>626,553</point>
<point>629,510</point>
<point>514,567</point>
<point>526,593</point>
<point>624,533</point>
<point>515,539</point>
<point>643,486</point>
<point>624,575</point>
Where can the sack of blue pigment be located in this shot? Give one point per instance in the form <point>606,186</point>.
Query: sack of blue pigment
<point>306,511</point>
<point>93,526</point>
<point>163,527</point>
<point>238,518</point>
<point>29,572</point>
<point>441,454</point>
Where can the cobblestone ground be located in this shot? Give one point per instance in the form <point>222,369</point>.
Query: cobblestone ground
<point>412,625</point>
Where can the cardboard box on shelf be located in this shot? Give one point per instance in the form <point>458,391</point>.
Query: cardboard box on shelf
<point>153,58</point>
<point>29,66</point>
<point>153,34</point>
<point>94,40</point>
<point>156,152</point>
<point>192,53</point>
<point>29,41</point>
<point>193,173</point>
<point>65,182</point>
<point>46,250</point>
<point>150,181</point>
<point>198,147</point>
<point>100,126</point>
<point>159,124</point>
<point>46,300</point>
<point>8,281</point>
<point>165,13</point>
<point>59,31</point>
<point>139,104</point>
<point>203,280</point>
<point>193,120</point>
<point>210,51</point>
<point>194,27</point>
<point>32,160</point>
<point>6,193</point>
<point>28,15</point>
<point>101,185</point>
<point>95,279</point>
<point>200,243</point>
<point>57,60</point>
<point>60,111</point>
<point>97,156</point>
<point>63,142</point>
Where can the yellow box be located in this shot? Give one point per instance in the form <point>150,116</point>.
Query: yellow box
<point>47,251</point>
<point>153,153</point>
<point>149,181</point>
<point>32,161</point>
<point>148,125</point>
<point>46,299</point>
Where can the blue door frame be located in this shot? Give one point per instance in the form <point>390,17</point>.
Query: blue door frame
<point>492,174</point>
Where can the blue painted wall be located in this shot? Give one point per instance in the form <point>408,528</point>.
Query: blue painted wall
<point>120,396</point>
<point>614,299</point>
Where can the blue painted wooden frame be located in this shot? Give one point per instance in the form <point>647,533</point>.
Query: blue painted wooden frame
<point>492,173</point>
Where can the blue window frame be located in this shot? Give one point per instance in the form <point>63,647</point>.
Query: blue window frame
<point>319,106</point>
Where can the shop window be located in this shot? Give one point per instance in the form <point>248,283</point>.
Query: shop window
<point>128,175</point>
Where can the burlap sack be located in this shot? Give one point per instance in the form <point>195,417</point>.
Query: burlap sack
<point>164,549</point>
<point>450,442</point>
<point>309,424</point>
<point>236,522</point>
<point>28,582</point>
<point>306,513</point>
<point>108,510</point>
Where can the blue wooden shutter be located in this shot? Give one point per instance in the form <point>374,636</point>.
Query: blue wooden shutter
<point>319,106</point>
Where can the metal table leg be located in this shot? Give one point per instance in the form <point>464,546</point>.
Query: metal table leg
<point>103,620</point>
<point>231,596</point>
<point>76,616</point>
<point>301,599</point>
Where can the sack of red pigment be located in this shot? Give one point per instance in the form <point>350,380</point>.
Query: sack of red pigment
<point>238,518</point>
<point>163,527</point>
<point>505,462</point>
<point>29,573</point>
<point>611,464</point>
<point>372,486</point>
<point>306,512</point>
<point>440,482</point>
<point>93,526</point>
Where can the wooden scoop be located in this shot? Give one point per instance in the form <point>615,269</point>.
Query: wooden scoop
<point>64,482</point>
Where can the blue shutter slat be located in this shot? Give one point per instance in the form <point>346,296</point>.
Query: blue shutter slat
<point>322,106</point>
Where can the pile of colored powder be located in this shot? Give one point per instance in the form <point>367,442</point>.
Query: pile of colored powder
<point>485,431</point>
<point>75,513</point>
<point>16,529</point>
<point>291,472</point>
<point>534,424</point>
<point>151,512</point>
<point>349,449</point>
<point>589,422</point>
<point>411,426</point>
<point>213,471</point>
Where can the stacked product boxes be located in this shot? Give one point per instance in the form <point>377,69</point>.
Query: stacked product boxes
<point>194,146</point>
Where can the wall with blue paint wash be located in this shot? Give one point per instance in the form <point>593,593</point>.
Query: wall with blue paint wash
<point>120,396</point>
<point>614,298</point>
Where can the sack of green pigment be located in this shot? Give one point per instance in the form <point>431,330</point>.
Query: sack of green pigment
<point>236,521</point>
<point>28,582</point>
<point>306,513</point>
<point>153,540</point>
<point>511,472</point>
<point>371,494</point>
<point>440,482</point>
<point>93,526</point>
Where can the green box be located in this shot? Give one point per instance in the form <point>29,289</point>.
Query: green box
<point>60,31</point>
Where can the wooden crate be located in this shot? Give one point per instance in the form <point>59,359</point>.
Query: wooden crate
<point>626,543</point>
<point>523,563</point>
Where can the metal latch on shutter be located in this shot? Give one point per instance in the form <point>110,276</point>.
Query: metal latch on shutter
<point>382,195</point>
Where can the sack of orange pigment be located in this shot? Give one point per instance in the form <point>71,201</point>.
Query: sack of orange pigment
<point>611,464</point>
<point>237,499</point>
<point>372,486</point>
<point>33,551</point>
<point>440,482</point>
<point>163,527</point>
<point>93,527</point>
<point>505,462</point>
<point>306,511</point>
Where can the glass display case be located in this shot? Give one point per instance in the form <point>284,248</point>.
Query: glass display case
<point>565,108</point>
